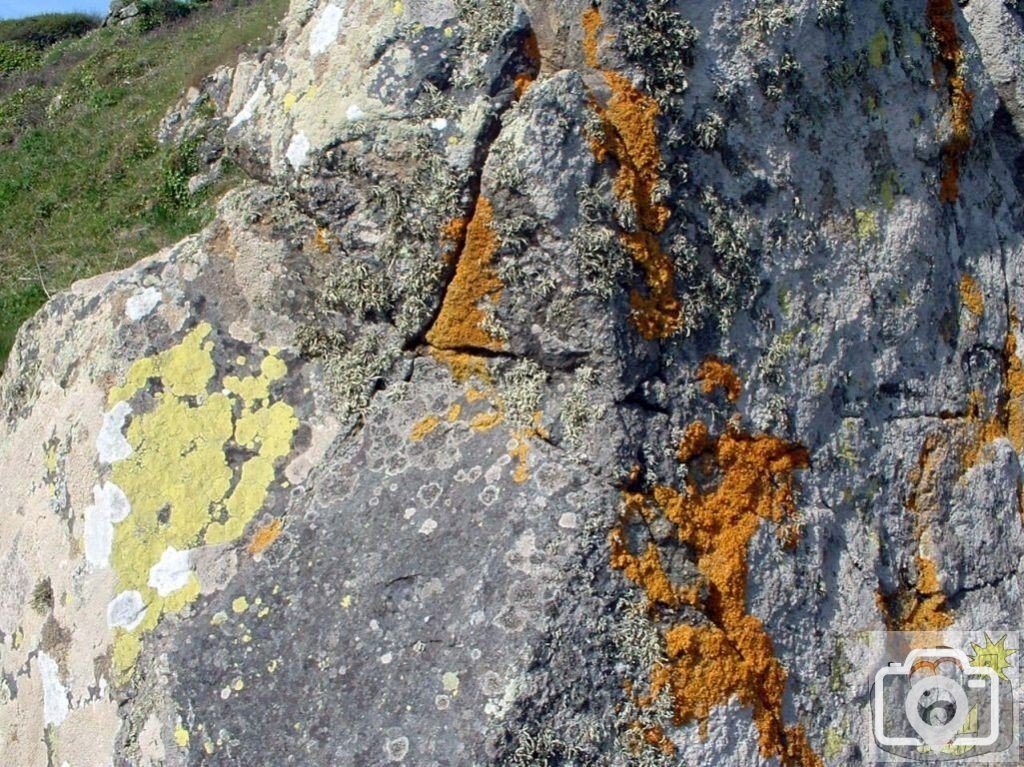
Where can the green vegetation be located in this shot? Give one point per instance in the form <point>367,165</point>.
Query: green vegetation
<point>84,185</point>
<point>46,29</point>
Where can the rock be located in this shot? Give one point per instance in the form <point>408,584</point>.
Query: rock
<point>121,13</point>
<point>569,385</point>
<point>199,109</point>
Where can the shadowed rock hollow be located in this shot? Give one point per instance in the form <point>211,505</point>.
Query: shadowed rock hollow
<point>568,385</point>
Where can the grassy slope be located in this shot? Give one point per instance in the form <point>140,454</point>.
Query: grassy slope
<point>84,188</point>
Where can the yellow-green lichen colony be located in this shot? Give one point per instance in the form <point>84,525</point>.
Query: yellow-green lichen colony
<point>183,490</point>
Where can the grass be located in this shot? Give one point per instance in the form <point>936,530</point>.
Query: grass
<point>84,186</point>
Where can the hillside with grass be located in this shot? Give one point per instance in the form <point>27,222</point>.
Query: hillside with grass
<point>85,187</point>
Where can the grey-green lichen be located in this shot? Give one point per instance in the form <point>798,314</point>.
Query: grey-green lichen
<point>578,408</point>
<point>658,40</point>
<point>520,388</point>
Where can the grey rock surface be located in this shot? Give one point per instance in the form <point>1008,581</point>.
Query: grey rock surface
<point>572,384</point>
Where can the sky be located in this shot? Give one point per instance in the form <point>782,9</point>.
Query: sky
<point>13,9</point>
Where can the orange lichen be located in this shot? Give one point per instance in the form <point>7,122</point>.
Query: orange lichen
<point>423,427</point>
<point>531,47</point>
<point>463,366</point>
<point>522,84</point>
<point>486,421</point>
<point>1014,388</point>
<point>1007,420</point>
<point>592,22</point>
<point>460,325</point>
<point>647,570</point>
<point>629,121</point>
<point>322,240</point>
<point>715,516</point>
<point>265,536</point>
<point>950,62</point>
<point>921,606</point>
<point>476,395</point>
<point>452,236</point>
<point>715,374</point>
<point>454,412</point>
<point>655,736</point>
<point>971,296</point>
<point>520,449</point>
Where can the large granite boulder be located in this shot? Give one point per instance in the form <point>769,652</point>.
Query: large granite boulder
<point>572,384</point>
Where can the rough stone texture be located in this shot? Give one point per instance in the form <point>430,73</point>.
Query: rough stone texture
<point>441,364</point>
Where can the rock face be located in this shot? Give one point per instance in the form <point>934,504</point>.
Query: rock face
<point>570,385</point>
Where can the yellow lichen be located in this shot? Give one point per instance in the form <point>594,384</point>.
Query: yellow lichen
<point>748,480</point>
<point>877,48</point>
<point>182,490</point>
<point>867,224</point>
<point>181,736</point>
<point>423,427</point>
<point>474,290</point>
<point>520,449</point>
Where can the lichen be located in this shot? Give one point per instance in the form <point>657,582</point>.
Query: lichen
<point>423,427</point>
<point>182,489</point>
<point>265,536</point>
<point>715,374</point>
<point>630,137</point>
<point>971,296</point>
<point>950,63</point>
<point>744,481</point>
<point>460,324</point>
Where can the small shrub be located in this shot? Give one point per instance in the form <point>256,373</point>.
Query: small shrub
<point>46,29</point>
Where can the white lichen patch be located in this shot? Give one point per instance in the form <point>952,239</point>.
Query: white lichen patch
<point>172,572</point>
<point>450,683</point>
<point>126,610</point>
<point>55,695</point>
<point>111,444</point>
<point>142,303</point>
<point>249,109</point>
<point>355,113</point>
<point>396,749</point>
<point>110,506</point>
<point>298,150</point>
<point>325,30</point>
